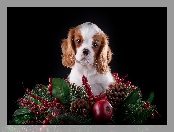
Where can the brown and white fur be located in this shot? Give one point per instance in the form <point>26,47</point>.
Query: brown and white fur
<point>86,52</point>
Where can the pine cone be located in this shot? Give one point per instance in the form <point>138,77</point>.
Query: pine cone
<point>80,106</point>
<point>132,88</point>
<point>117,94</point>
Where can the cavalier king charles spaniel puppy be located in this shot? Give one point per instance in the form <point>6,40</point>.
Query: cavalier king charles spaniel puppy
<point>86,52</point>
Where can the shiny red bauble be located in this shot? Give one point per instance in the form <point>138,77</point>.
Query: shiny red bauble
<point>102,111</point>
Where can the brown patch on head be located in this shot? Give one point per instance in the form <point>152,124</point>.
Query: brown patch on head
<point>89,23</point>
<point>78,39</point>
<point>104,55</point>
<point>97,43</point>
<point>68,49</point>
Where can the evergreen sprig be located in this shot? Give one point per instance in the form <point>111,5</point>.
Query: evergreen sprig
<point>130,111</point>
<point>77,92</point>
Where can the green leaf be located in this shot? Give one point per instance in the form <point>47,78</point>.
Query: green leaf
<point>60,90</point>
<point>124,110</point>
<point>20,116</point>
<point>132,98</point>
<point>150,99</point>
<point>18,119</point>
<point>21,111</point>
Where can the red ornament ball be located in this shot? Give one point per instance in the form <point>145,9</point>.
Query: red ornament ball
<point>102,111</point>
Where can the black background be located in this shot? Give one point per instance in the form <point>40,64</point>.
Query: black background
<point>138,39</point>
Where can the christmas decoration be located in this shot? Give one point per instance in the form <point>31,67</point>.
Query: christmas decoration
<point>61,102</point>
<point>60,90</point>
<point>131,110</point>
<point>77,92</point>
<point>102,111</point>
<point>116,94</point>
<point>80,106</point>
<point>87,86</point>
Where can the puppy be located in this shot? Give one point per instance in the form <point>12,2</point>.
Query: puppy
<point>86,52</point>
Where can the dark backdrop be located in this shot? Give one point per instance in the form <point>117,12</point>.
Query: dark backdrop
<point>138,39</point>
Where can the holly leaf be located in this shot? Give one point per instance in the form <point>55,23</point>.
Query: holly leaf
<point>21,111</point>
<point>21,115</point>
<point>18,119</point>
<point>150,99</point>
<point>131,98</point>
<point>60,90</point>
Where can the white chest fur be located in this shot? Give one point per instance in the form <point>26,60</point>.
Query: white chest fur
<point>99,83</point>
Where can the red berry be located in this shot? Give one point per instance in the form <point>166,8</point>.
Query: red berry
<point>54,114</point>
<point>22,104</point>
<point>49,87</point>
<point>55,100</point>
<point>148,104</point>
<point>153,116</point>
<point>57,104</point>
<point>128,83</point>
<point>50,79</point>
<point>110,86</point>
<point>48,118</point>
<point>97,96</point>
<point>103,95</point>
<point>90,99</point>
<point>115,74</point>
<point>28,90</point>
<point>158,115</point>
<point>84,80</point>
<point>120,80</point>
<point>45,122</point>
<point>50,92</point>
<point>91,96</point>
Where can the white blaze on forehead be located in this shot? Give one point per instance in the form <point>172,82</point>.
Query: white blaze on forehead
<point>88,30</point>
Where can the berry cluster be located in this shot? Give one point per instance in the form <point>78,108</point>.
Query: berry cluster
<point>120,80</point>
<point>91,96</point>
<point>50,86</point>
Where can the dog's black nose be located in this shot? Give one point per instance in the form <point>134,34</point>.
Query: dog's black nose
<point>85,51</point>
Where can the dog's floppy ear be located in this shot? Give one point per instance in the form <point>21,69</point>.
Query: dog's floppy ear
<point>105,55</point>
<point>68,49</point>
<point>109,55</point>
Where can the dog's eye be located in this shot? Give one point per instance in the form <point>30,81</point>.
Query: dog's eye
<point>78,41</point>
<point>95,45</point>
